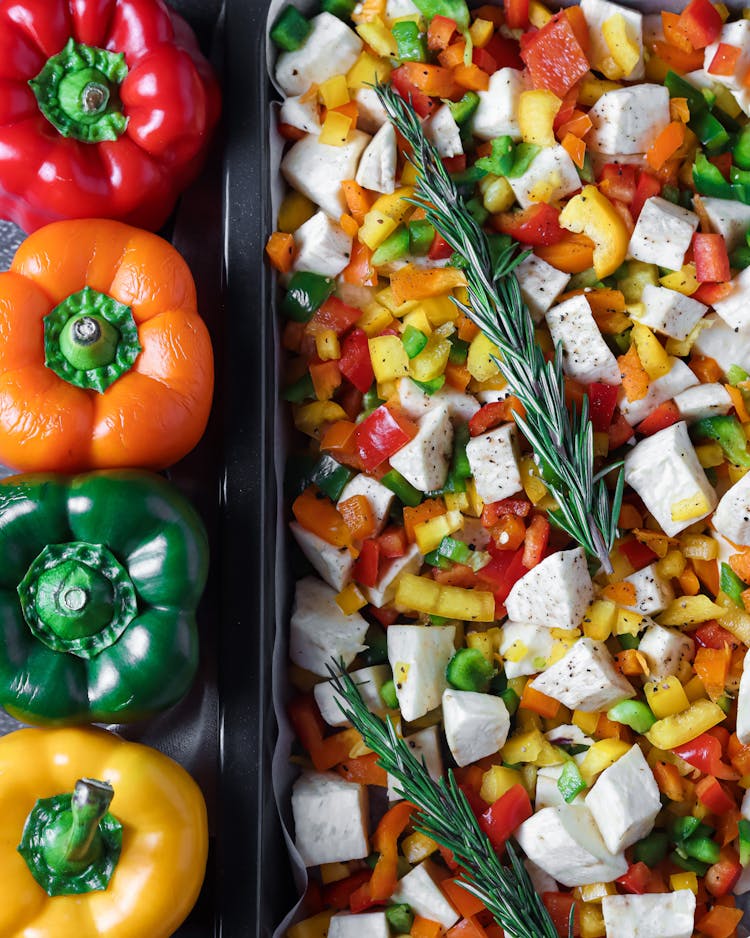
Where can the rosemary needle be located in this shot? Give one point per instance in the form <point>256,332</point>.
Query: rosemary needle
<point>445,816</point>
<point>563,443</point>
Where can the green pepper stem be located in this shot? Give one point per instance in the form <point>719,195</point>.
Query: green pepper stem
<point>89,342</point>
<point>90,802</point>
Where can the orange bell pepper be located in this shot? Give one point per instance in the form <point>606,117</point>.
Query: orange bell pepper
<point>706,369</point>
<point>471,77</point>
<point>635,379</point>
<point>720,922</point>
<point>712,667</point>
<point>538,702</point>
<point>358,516</point>
<point>425,928</point>
<point>419,283</point>
<point>573,254</point>
<point>385,842</point>
<point>317,514</point>
<point>429,508</point>
<point>622,593</point>
<point>666,144</point>
<point>433,80</point>
<point>280,250</point>
<point>154,365</point>
<point>364,770</point>
<point>669,781</point>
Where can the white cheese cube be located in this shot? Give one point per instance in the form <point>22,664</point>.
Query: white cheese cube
<point>743,705</point>
<point>597,12</point>
<point>416,402</point>
<point>541,881</point>
<point>419,890</point>
<point>425,746</point>
<point>330,819</point>
<point>732,516</point>
<point>663,233</point>
<point>585,678</point>
<point>334,564</point>
<point>442,130</point>
<point>425,460</point>
<point>493,457</point>
<point>361,925</point>
<point>396,9</point>
<point>664,650</point>
<point>540,284</point>
<point>628,120</point>
<point>473,533</point>
<point>368,681</point>
<point>657,915</point>
<point>555,593</point>
<point>527,645</point>
<point>653,592</point>
<point>320,632</point>
<point>419,655</point>
<point>548,794</point>
<point>323,246</point>
<point>728,218</point>
<point>302,114</point>
<point>664,470</point>
<point>568,734</point>
<point>625,801</point>
<point>565,842</point>
<point>674,382</point>
<point>331,48</point>
<point>497,113</point>
<point>733,309</point>
<point>725,345</point>
<point>384,590</point>
<point>703,400</point>
<point>371,115</point>
<point>476,725</point>
<point>377,165</point>
<point>552,175</point>
<point>317,170</point>
<point>670,312</point>
<point>378,497</point>
<point>733,34</point>
<point>586,356</point>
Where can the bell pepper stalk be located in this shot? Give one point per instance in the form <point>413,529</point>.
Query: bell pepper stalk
<point>592,214</point>
<point>103,350</point>
<point>133,857</point>
<point>100,582</point>
<point>118,97</point>
<point>728,433</point>
<point>704,753</point>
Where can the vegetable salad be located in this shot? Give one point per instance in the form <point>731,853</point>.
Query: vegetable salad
<point>597,713</point>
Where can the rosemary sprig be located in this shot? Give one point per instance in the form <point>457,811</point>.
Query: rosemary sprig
<point>445,816</point>
<point>563,442</point>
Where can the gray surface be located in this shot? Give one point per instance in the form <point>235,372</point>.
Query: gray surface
<point>10,238</point>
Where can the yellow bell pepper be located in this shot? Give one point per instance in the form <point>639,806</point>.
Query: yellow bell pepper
<point>497,195</point>
<point>481,358</point>
<point>417,847</point>
<point>682,281</point>
<point>651,352</point>
<point>335,129</point>
<point>536,115</point>
<point>369,69</point>
<point>591,213</point>
<point>592,920</point>
<point>691,610</point>
<point>666,697</point>
<point>684,881</point>
<point>600,620</point>
<point>431,361</point>
<point>157,808</point>
<point>314,927</point>
<point>423,594</point>
<point>622,46</point>
<point>334,92</point>
<point>601,755</point>
<point>388,357</point>
<point>680,728</point>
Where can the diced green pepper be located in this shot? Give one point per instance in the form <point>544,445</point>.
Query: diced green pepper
<point>464,108</point>
<point>388,694</point>
<point>435,559</point>
<point>410,42</point>
<point>725,703</point>
<point>343,9</point>
<point>571,783</point>
<point>728,433</point>
<point>290,29</point>
<point>376,651</point>
<point>652,849</point>
<point>584,279</point>
<point>438,620</point>
<point>454,550</point>
<point>732,585</point>
<point>305,294</point>
<point>400,918</point>
<point>511,700</point>
<point>431,387</point>
<point>300,390</point>
<point>736,375</point>
<point>671,194</point>
<point>459,351</point>
<point>524,155</point>
<point>414,341</point>
<point>633,713</point>
<point>501,158</point>
<point>710,131</point>
<point>330,476</point>
<point>403,490</point>
<point>744,829</point>
<point>469,176</point>
<point>586,172</point>
<point>468,669</point>
<point>477,210</point>
<point>460,469</point>
<point>421,236</point>
<point>395,246</point>
<point>741,151</point>
<point>700,848</point>
<point>678,87</point>
<point>684,827</point>
<point>739,259</point>
<point>628,641</point>
<point>689,864</point>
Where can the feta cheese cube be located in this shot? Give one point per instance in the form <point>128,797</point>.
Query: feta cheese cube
<point>555,593</point>
<point>734,309</point>
<point>585,678</point>
<point>497,113</point>
<point>493,457</point>
<point>416,402</point>
<point>419,890</point>
<point>733,34</point>
<point>371,115</point>
<point>657,915</point>
<point>628,120</point>
<point>725,345</point>
<point>552,175</point>
<point>664,470</point>
<point>653,592</point>
<point>664,650</point>
<point>302,114</point>
<point>334,564</point>
<point>320,632</point>
<point>377,165</point>
<point>317,170</point>
<point>330,819</point>
<point>368,681</point>
<point>565,842</point>
<point>361,925</point>
<point>674,382</point>
<point>597,12</point>
<point>384,590</point>
<point>625,801</point>
<point>586,356</point>
<point>540,284</point>
<point>378,497</point>
<point>323,246</point>
<point>331,48</point>
<point>663,233</point>
<point>732,516</point>
<point>419,655</point>
<point>476,725</point>
<point>728,218</point>
<point>524,647</point>
<point>425,460</point>
<point>703,400</point>
<point>442,130</point>
<point>743,704</point>
<point>425,746</point>
<point>670,312</point>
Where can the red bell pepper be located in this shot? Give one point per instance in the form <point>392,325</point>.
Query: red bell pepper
<point>386,615</point>
<point>619,181</point>
<point>502,572</point>
<point>492,512</point>
<point>619,432</point>
<point>711,258</point>
<point>465,902</point>
<point>537,538</point>
<point>423,104</point>
<point>504,51</point>
<point>554,56</point>
<point>701,23</point>
<point>665,415</point>
<point>704,752</point>
<point>638,555</point>
<point>440,32</point>
<point>721,878</point>
<point>711,293</point>
<point>355,363</point>
<point>337,895</point>
<point>724,61</point>
<point>126,137</point>
<point>381,435</point>
<point>712,635</point>
<point>392,542</point>
<point>504,816</point>
<point>647,187</point>
<point>365,569</point>
<point>482,59</point>
<point>454,164</point>
<point>711,793</point>
<point>334,315</point>
<point>602,403</point>
<point>636,880</point>
<point>440,250</point>
<point>535,225</point>
<point>489,416</point>
<point>517,13</point>
<point>559,904</point>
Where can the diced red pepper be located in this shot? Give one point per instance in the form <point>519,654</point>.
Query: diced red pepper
<point>386,615</point>
<point>647,187</point>
<point>505,52</point>
<point>554,57</point>
<point>712,635</point>
<point>365,569</point>
<point>517,13</point>
<point>334,315</point>
<point>537,538</point>
<point>636,880</point>
<point>355,364</point>
<point>711,258</point>
<point>382,434</point>
<point>724,61</point>
<point>454,164</point>
<point>440,250</point>
<point>712,794</point>
<point>288,132</point>
<point>492,512</point>
<point>665,415</point>
<point>559,905</point>
<point>502,572</point>
<point>337,895</point>
<point>535,225</point>
<point>482,59</point>
<point>620,431</point>
<point>503,816</point>
<point>639,555</point>
<point>711,293</point>
<point>704,752</point>
<point>721,878</point>
<point>701,23</point>
<point>392,542</point>
<point>466,928</point>
<point>440,32</point>
<point>465,902</point>
<point>602,403</point>
<point>423,104</point>
<point>619,181</point>
<point>723,162</point>
<point>489,416</point>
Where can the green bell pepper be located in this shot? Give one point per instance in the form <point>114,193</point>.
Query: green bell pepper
<point>500,161</point>
<point>728,433</point>
<point>421,236</point>
<point>290,30</point>
<point>744,831</point>
<point>395,246</point>
<point>468,669</point>
<point>400,918</point>
<point>652,849</point>
<point>571,783</point>
<point>731,584</point>
<point>305,293</point>
<point>464,108</point>
<point>402,489</point>
<point>413,341</point>
<point>100,576</point>
<point>343,9</point>
<point>633,713</point>
<point>410,42</point>
<point>736,375</point>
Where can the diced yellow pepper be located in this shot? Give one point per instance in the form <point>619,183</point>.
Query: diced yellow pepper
<point>439,309</point>
<point>334,92</point>
<point>531,481</point>
<point>595,892</point>
<point>333,872</point>
<point>409,175</point>
<point>327,345</point>
<point>680,728</point>
<point>311,418</point>
<point>476,505</point>
<point>651,352</point>
<point>690,610</point>
<point>523,747</point>
<point>418,320</point>
<point>368,70</point>
<point>482,641</point>
<point>691,508</point>
<point>496,781</point>
<point>428,534</point>
<point>682,281</point>
<point>497,195</point>
<point>375,228</point>
<point>374,319</point>
<point>726,101</point>
<point>666,697</point>
<point>591,213</point>
<point>623,48</point>
<point>539,15</point>
<point>684,881</point>
<point>694,689</point>
<point>536,115</point>
<point>456,501</point>
<point>600,756</point>
<point>387,390</point>
<point>480,359</point>
<point>672,564</point>
<point>385,298</point>
<point>709,455</point>
<point>734,620</point>
<point>417,847</point>
<point>315,927</point>
<point>699,546</point>
<point>378,37</point>
<point>294,211</point>
<point>335,130</point>
<point>431,361</point>
<point>736,472</point>
<point>592,88</point>
<point>423,594</point>
<point>516,652</point>
<point>481,31</point>
<point>628,623</point>
<point>350,599</point>
<point>394,204</point>
<point>591,918</point>
<point>586,722</point>
<point>388,357</point>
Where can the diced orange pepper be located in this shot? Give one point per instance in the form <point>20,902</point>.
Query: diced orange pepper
<point>712,667</point>
<point>629,517</point>
<point>326,378</point>
<point>538,702</point>
<point>738,402</point>
<point>465,902</point>
<point>385,841</point>
<point>429,508</point>
<point>679,110</point>
<point>609,729</point>
<point>466,329</point>
<point>720,922</point>
<point>349,110</point>
<point>309,727</point>
<point>358,201</point>
<point>440,32</point>
<point>457,376</point>
<point>739,755</point>
<point>418,283</point>
<point>575,148</point>
<point>674,33</point>
<point>280,250</point>
<point>425,928</point>
<point>706,369</point>
<point>453,55</point>
<point>471,77</point>
<point>621,593</point>
<point>492,13</point>
<point>631,663</point>
<point>675,58</point>
<point>433,80</point>
<point>359,271</point>
<point>726,826</point>
<point>580,28</point>
<point>294,333</point>
<point>635,379</point>
<point>358,516</point>
<point>349,225</point>
<point>466,928</point>
<point>669,780</point>
<point>317,514</point>
<point>338,436</point>
<point>573,254</point>
<point>509,532</point>
<point>707,572</point>
<point>578,125</point>
<point>364,770</point>
<point>666,144</point>
<point>689,582</point>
